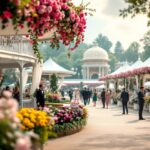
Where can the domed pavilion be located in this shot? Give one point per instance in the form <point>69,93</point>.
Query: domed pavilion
<point>95,63</point>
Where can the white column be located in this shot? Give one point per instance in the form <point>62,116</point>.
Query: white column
<point>36,76</point>
<point>61,82</point>
<point>102,71</point>
<point>88,75</point>
<point>25,79</point>
<point>21,86</point>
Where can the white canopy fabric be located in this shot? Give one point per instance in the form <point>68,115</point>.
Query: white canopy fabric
<point>147,84</point>
<point>111,86</point>
<point>121,69</point>
<point>136,65</point>
<point>146,63</point>
<point>50,67</point>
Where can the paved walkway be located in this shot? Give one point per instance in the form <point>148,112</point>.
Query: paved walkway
<point>107,129</point>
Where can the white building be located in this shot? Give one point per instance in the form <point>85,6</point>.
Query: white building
<point>95,63</point>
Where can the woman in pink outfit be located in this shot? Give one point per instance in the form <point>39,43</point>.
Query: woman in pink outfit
<point>107,96</point>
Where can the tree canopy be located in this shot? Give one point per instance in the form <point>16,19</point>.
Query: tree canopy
<point>103,42</point>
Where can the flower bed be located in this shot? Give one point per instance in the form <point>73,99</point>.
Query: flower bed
<point>69,120</point>
<point>36,120</point>
<point>28,127</point>
<point>55,98</point>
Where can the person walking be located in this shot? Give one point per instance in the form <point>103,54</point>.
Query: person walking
<point>94,97</point>
<point>85,96</point>
<point>89,95</point>
<point>76,95</point>
<point>40,96</point>
<point>16,94</point>
<point>70,93</point>
<point>107,95</point>
<point>103,97</point>
<point>141,103</point>
<point>125,99</point>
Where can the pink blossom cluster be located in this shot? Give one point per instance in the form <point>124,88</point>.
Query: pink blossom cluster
<point>13,137</point>
<point>138,71</point>
<point>42,16</point>
<point>68,114</point>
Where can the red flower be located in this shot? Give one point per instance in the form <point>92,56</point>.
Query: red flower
<point>7,14</point>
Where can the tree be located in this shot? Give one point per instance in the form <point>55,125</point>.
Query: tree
<point>118,48</point>
<point>119,51</point>
<point>136,7</point>
<point>132,53</point>
<point>146,53</point>
<point>113,61</point>
<point>103,42</point>
<point>146,41</point>
<point>53,83</point>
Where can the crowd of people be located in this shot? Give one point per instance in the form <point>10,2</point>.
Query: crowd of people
<point>86,95</point>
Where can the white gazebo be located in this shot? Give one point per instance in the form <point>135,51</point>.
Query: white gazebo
<point>51,67</point>
<point>95,63</point>
<point>16,52</point>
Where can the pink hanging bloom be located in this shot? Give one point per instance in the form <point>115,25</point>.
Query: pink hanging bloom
<point>7,14</point>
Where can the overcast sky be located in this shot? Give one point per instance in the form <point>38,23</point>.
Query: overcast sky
<point>106,20</point>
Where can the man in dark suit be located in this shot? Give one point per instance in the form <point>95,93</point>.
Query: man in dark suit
<point>125,100</point>
<point>85,96</point>
<point>40,96</point>
<point>103,97</point>
<point>141,102</point>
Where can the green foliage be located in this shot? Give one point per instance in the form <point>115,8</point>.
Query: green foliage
<point>113,60</point>
<point>53,83</point>
<point>43,133</point>
<point>132,53</point>
<point>6,142</point>
<point>119,51</point>
<point>69,128</point>
<point>103,42</point>
<point>136,7</point>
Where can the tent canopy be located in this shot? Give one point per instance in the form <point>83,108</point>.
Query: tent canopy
<point>50,67</point>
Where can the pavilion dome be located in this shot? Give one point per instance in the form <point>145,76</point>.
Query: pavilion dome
<point>95,53</point>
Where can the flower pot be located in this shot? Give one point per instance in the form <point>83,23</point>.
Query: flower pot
<point>119,103</point>
<point>135,106</point>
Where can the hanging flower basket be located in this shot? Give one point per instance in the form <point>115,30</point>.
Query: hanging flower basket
<point>37,18</point>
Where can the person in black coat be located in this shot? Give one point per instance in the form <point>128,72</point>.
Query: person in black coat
<point>125,100</point>
<point>70,93</point>
<point>103,97</point>
<point>85,96</point>
<point>40,96</point>
<point>141,103</point>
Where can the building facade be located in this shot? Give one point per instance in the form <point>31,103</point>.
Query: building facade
<point>95,63</point>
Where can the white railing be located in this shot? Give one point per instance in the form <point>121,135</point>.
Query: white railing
<point>16,44</point>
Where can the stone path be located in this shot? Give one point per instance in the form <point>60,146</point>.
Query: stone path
<point>107,129</point>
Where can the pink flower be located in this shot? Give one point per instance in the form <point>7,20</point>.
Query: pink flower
<point>23,143</point>
<point>7,14</point>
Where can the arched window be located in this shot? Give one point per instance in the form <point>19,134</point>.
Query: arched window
<point>94,76</point>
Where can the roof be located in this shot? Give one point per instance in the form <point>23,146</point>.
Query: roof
<point>136,65</point>
<point>95,53</point>
<point>50,67</point>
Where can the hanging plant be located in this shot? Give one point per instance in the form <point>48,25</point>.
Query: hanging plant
<point>61,18</point>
